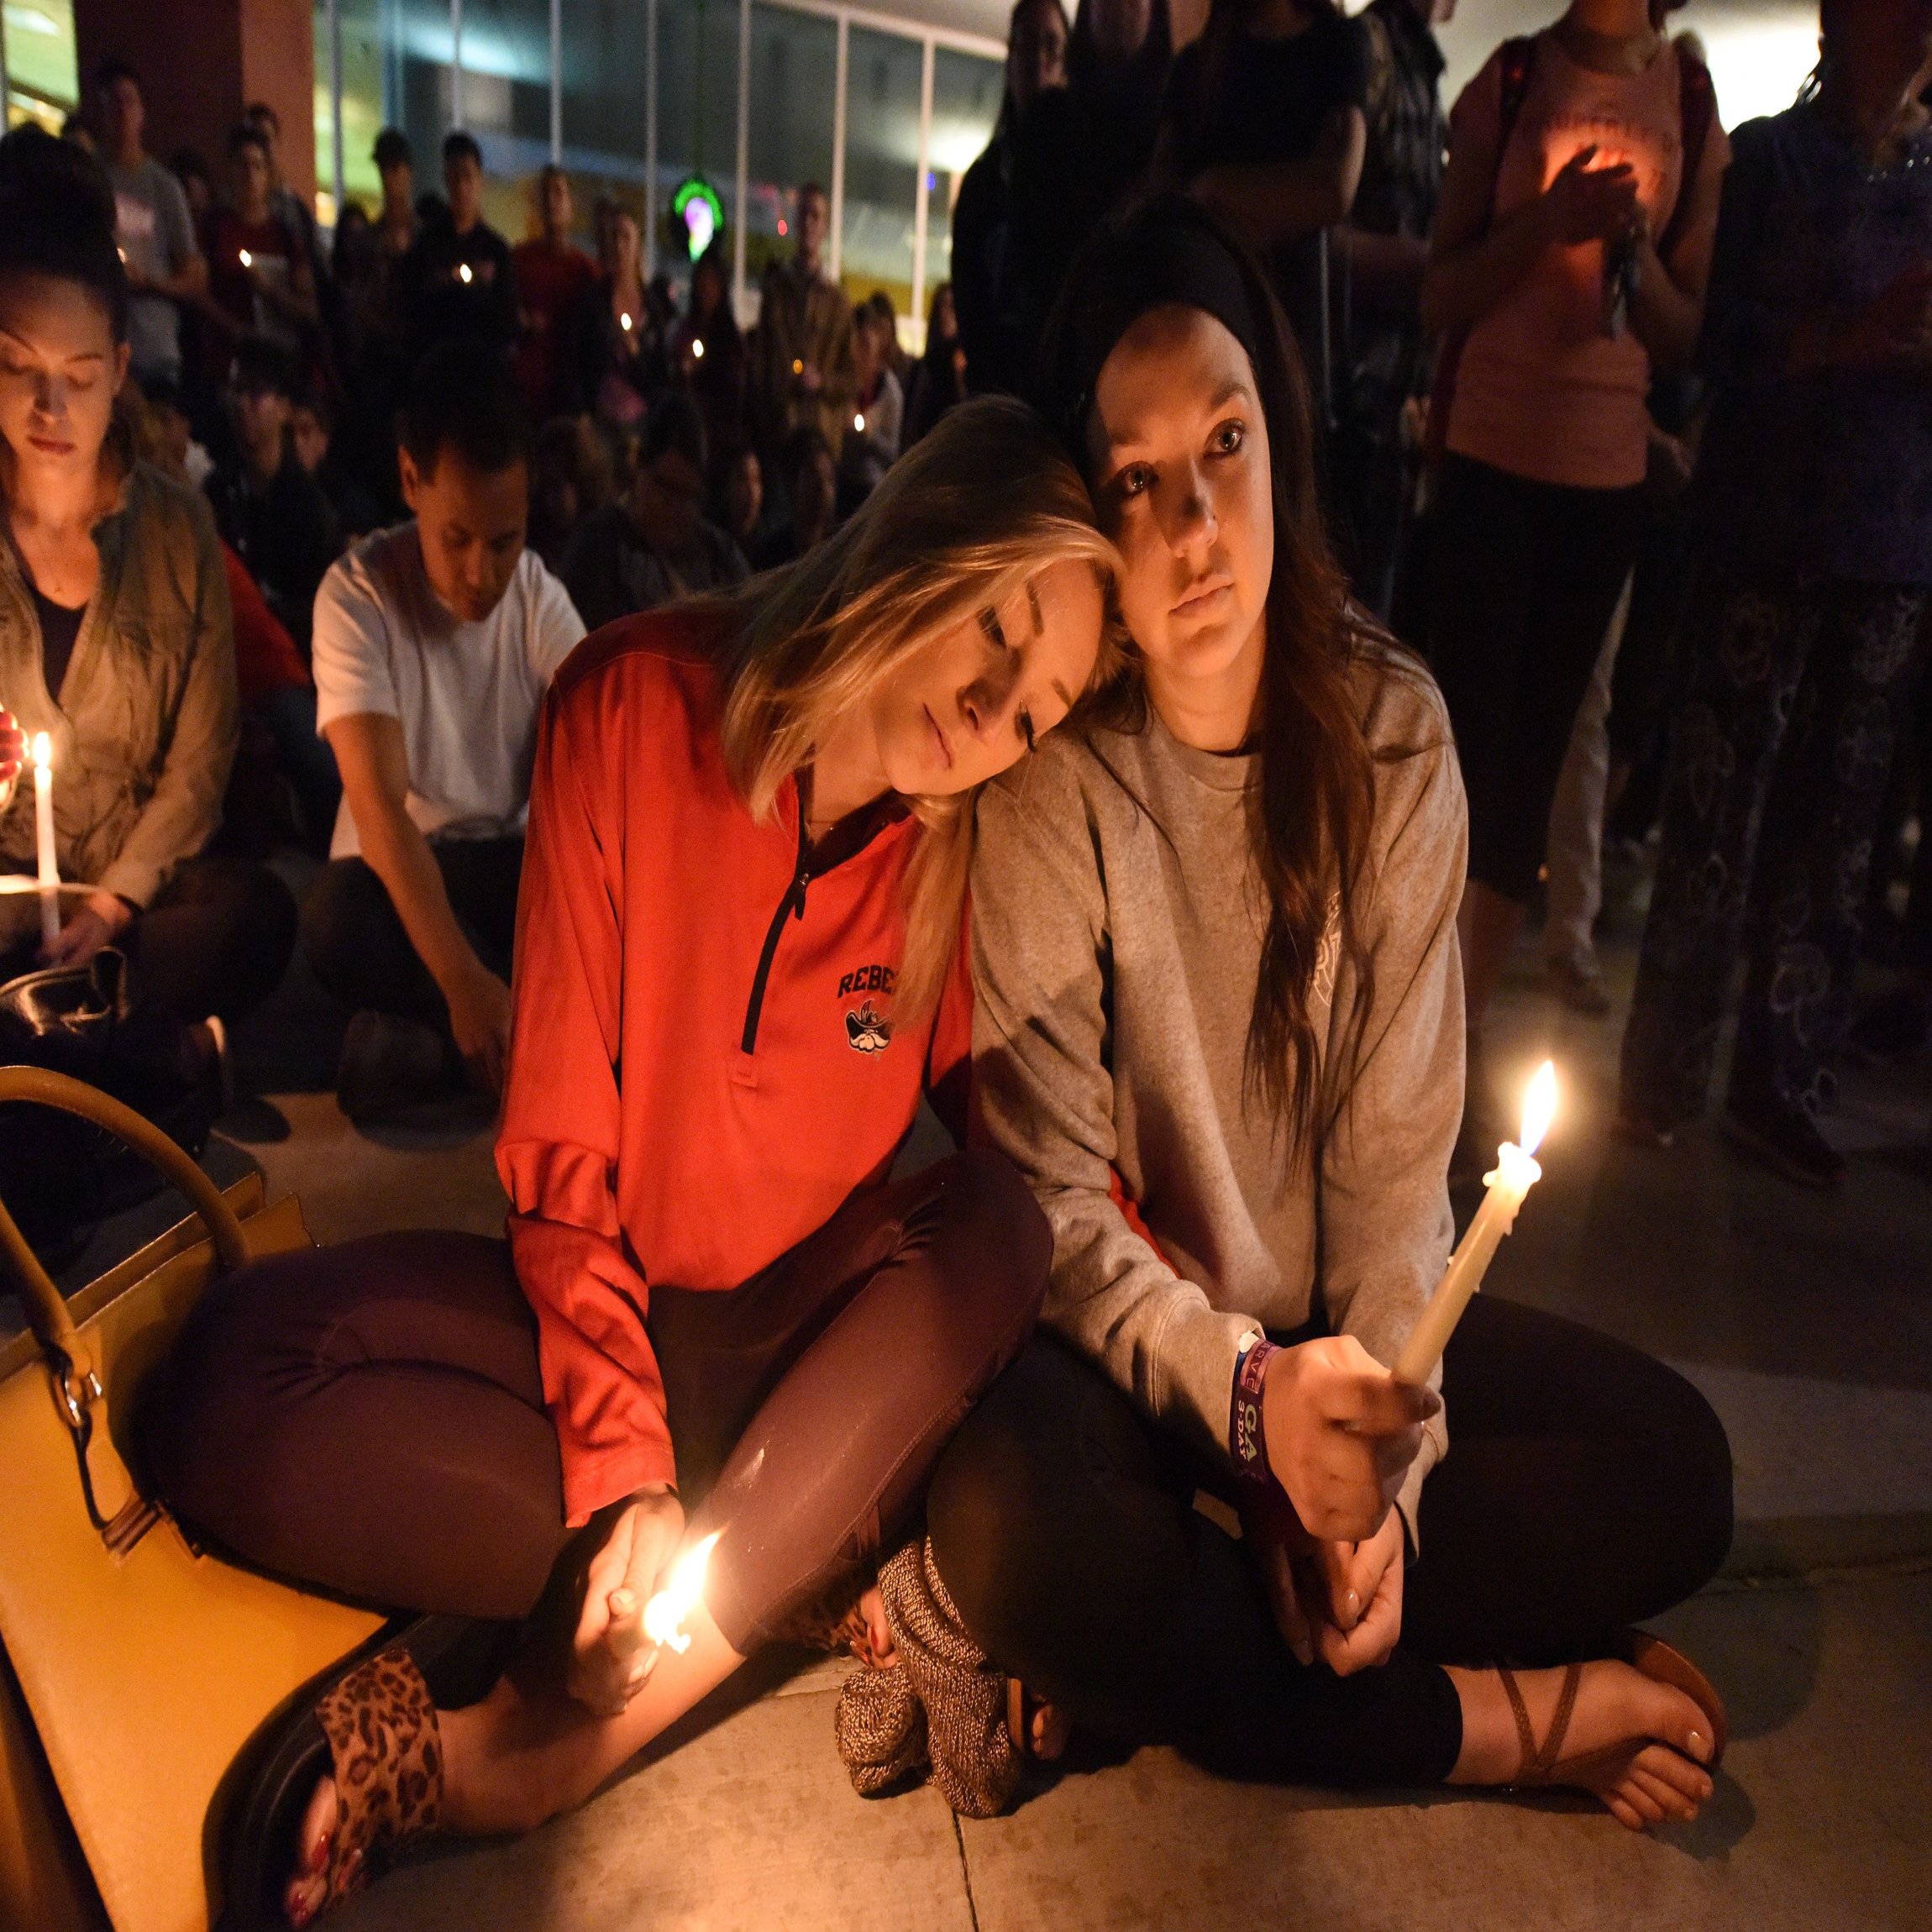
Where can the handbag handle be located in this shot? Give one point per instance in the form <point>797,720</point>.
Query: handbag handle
<point>119,1511</point>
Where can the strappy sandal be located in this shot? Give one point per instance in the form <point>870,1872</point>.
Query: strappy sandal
<point>371,1726</point>
<point>1651,1657</point>
<point>1023,1707</point>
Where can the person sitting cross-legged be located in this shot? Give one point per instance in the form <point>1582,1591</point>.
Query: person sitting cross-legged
<point>654,543</point>
<point>434,644</point>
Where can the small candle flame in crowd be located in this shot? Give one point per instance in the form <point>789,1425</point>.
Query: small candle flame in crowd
<point>247,259</point>
<point>698,350</point>
<point>463,272</point>
<point>797,366</point>
<point>665,1613</point>
<point>858,423</point>
<point>624,321</point>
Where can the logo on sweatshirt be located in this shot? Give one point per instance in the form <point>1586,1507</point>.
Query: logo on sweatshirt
<point>868,1030</point>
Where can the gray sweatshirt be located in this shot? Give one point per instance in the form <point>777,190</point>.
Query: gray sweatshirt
<point>1114,973</point>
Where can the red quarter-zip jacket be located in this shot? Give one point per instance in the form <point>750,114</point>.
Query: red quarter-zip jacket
<point>706,1059</point>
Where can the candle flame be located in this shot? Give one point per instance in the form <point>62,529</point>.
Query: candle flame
<point>797,366</point>
<point>665,1613</point>
<point>624,321</point>
<point>698,351</point>
<point>462,273</point>
<point>43,751</point>
<point>858,423</point>
<point>1539,1107</point>
<point>247,259</point>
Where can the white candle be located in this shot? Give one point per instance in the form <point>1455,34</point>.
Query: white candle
<point>49,866</point>
<point>1516,1172</point>
<point>665,1613</point>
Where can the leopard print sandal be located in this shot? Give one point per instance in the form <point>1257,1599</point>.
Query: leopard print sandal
<point>370,1725</point>
<point>381,1724</point>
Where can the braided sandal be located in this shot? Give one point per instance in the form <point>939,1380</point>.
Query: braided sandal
<point>1651,1657</point>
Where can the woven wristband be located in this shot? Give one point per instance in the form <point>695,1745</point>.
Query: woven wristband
<point>1246,1443</point>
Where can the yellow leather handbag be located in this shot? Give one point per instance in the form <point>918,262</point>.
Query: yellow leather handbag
<point>141,1665</point>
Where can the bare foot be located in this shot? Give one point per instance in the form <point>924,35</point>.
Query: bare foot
<point>1640,1745</point>
<point>878,1632</point>
<point>1052,1730</point>
<point>308,1889</point>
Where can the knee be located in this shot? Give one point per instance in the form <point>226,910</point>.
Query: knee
<point>990,1507</point>
<point>259,940</point>
<point>338,907</point>
<point>201,1412</point>
<point>1689,1445</point>
<point>988,1209</point>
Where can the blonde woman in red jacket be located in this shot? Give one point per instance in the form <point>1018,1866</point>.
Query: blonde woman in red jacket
<point>739,964</point>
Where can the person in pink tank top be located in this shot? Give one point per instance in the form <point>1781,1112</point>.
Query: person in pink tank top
<point>1568,261</point>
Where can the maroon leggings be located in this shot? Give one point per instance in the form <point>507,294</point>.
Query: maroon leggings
<point>370,1417</point>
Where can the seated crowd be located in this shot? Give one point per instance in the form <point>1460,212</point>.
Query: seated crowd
<point>1241,691</point>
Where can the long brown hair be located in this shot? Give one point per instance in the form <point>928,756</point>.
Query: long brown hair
<point>1310,814</point>
<point>987,499</point>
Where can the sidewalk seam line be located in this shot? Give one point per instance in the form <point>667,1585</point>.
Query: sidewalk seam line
<point>965,1874</point>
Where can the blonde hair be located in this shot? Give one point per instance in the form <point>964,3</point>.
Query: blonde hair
<point>986,500</point>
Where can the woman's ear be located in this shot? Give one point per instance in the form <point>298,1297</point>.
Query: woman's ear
<point>122,351</point>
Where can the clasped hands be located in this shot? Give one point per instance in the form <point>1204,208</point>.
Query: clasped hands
<point>1341,1433</point>
<point>611,1654</point>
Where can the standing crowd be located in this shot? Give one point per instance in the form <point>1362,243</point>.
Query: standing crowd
<point>1386,497</point>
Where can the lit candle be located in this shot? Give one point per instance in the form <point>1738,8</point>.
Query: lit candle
<point>665,1613</point>
<point>247,259</point>
<point>698,350</point>
<point>624,322</point>
<point>1516,1172</point>
<point>858,423</point>
<point>463,272</point>
<point>49,866</point>
<point>797,367</point>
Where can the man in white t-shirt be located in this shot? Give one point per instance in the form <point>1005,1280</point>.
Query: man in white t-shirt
<point>435,642</point>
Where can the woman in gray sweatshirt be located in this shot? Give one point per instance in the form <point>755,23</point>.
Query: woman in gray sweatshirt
<point>1219,1027</point>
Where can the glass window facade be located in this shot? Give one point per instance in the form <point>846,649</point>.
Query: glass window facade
<point>793,85</point>
<point>41,83</point>
<point>606,125</point>
<point>634,96</point>
<point>882,87</point>
<point>966,89</point>
<point>697,111</point>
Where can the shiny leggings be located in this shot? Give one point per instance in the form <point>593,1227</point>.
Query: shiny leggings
<point>370,1417</point>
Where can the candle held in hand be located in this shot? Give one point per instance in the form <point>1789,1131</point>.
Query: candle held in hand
<point>50,868</point>
<point>1516,1172</point>
<point>665,1613</point>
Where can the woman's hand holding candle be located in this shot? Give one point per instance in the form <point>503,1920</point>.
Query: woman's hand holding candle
<point>1341,1434</point>
<point>100,922</point>
<point>611,1654</point>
